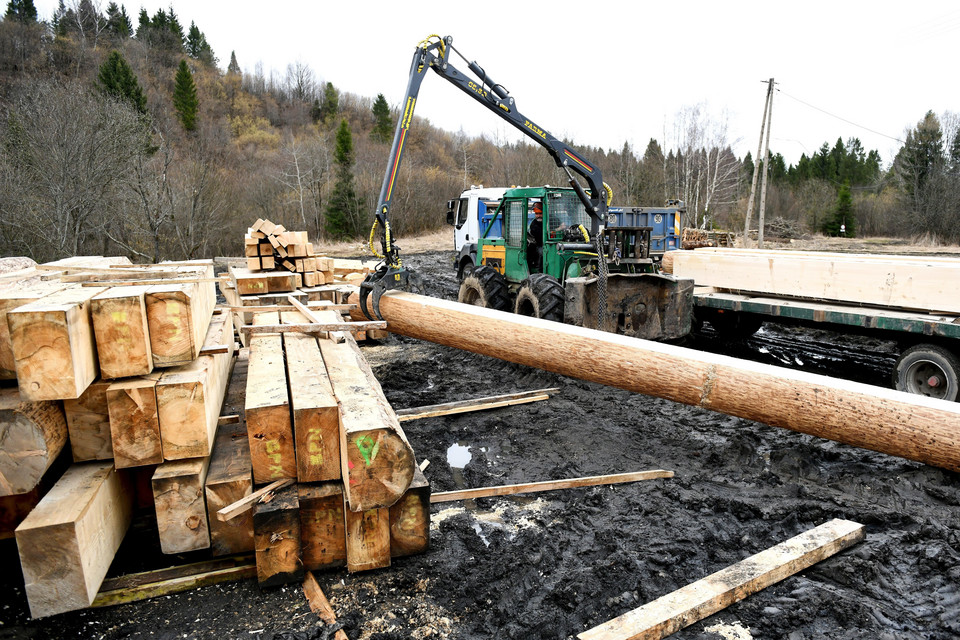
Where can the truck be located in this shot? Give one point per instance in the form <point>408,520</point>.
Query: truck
<point>591,273</point>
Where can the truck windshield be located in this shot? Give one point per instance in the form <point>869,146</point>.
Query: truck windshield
<point>566,211</point>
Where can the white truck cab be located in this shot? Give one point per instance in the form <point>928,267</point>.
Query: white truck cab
<point>469,215</point>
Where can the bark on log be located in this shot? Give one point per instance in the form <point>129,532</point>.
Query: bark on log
<point>891,422</point>
<point>32,434</point>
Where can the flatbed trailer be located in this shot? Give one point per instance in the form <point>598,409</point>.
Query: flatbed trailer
<point>928,361</point>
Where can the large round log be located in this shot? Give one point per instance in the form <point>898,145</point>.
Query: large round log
<point>891,422</point>
<point>32,434</point>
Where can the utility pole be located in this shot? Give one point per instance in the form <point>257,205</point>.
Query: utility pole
<point>767,107</point>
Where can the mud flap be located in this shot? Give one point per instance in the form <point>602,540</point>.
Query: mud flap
<point>641,305</point>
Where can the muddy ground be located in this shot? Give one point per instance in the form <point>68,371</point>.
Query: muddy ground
<point>556,564</point>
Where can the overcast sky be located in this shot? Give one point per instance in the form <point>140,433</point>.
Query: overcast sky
<point>602,73</point>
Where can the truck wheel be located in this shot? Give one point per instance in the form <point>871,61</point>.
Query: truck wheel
<point>928,370</point>
<point>465,267</point>
<point>540,296</point>
<point>485,287</point>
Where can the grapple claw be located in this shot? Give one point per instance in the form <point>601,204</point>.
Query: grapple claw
<point>385,278</point>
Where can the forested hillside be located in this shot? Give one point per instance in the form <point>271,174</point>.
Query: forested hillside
<point>127,134</point>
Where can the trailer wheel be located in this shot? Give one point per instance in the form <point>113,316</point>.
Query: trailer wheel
<point>928,370</point>
<point>485,287</point>
<point>540,296</point>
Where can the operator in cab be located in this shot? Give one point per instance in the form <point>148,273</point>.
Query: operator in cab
<point>535,239</point>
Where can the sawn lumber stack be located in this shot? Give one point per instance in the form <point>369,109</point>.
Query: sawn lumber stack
<point>131,370</point>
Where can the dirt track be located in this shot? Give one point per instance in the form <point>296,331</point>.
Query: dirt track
<point>553,565</point>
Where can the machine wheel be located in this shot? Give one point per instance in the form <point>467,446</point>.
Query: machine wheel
<point>464,268</point>
<point>928,370</point>
<point>735,325</point>
<point>540,296</point>
<point>485,287</point>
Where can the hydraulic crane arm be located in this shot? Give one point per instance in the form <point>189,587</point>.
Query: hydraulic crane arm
<point>435,54</point>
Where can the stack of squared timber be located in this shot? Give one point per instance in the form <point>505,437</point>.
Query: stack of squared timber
<point>249,288</point>
<point>130,365</point>
<point>144,364</point>
<point>269,246</point>
<point>316,415</point>
<point>908,282</point>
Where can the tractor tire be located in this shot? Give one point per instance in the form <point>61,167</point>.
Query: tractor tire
<point>540,296</point>
<point>928,370</point>
<point>485,287</point>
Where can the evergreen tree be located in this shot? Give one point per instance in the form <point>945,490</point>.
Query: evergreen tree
<point>383,126</point>
<point>343,203</point>
<point>233,67</point>
<point>316,111</point>
<point>118,22</point>
<point>921,155</point>
<point>22,11</point>
<point>197,46</point>
<point>143,24</point>
<point>842,222</point>
<point>331,104</point>
<point>185,97</point>
<point>117,79</point>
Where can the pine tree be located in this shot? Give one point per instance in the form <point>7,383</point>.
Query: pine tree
<point>331,104</point>
<point>22,11</point>
<point>383,127</point>
<point>118,22</point>
<point>343,203</point>
<point>185,97</point>
<point>842,221</point>
<point>197,46</point>
<point>117,79</point>
<point>234,66</point>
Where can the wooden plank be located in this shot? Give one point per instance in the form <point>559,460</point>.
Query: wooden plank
<point>368,538</point>
<point>53,345</point>
<point>410,519</point>
<point>88,423</point>
<point>189,397</point>
<point>68,542</point>
<point>179,501</point>
<point>135,422</point>
<point>316,414</point>
<point>705,597</point>
<point>32,435</point>
<point>478,404</point>
<point>15,294</point>
<point>179,316</point>
<point>320,605</point>
<point>377,462</point>
<point>230,476</point>
<point>549,485</point>
<point>246,503</point>
<point>276,530</point>
<point>107,598</point>
<point>892,283</point>
<point>249,283</point>
<point>120,327</point>
<point>313,327</point>
<point>267,410</point>
<point>322,525</point>
<point>15,509</point>
<point>907,425</point>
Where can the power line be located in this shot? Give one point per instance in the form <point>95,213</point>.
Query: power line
<point>833,115</point>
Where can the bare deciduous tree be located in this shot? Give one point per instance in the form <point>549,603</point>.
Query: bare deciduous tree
<point>70,153</point>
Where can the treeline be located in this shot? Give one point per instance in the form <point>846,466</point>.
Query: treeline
<point>128,135</point>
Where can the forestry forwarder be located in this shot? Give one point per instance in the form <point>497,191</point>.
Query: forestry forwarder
<point>645,303</point>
